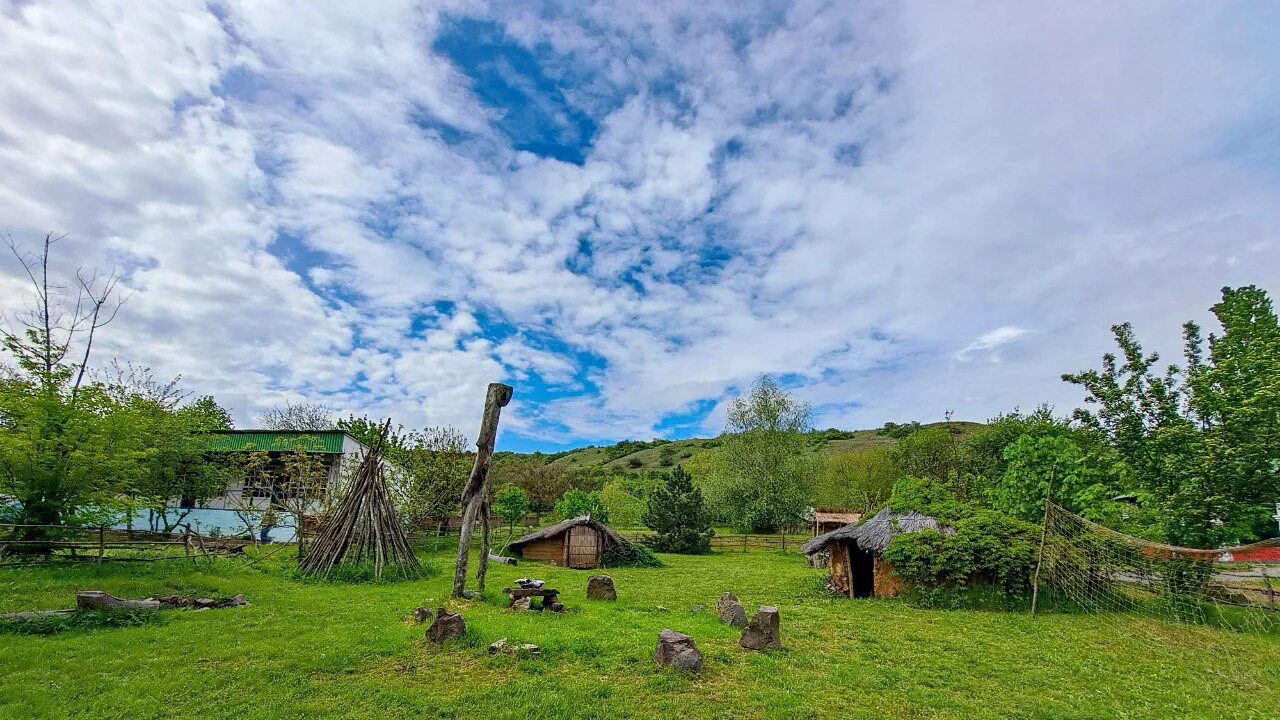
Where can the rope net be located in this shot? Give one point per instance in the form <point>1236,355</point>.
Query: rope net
<point>1101,570</point>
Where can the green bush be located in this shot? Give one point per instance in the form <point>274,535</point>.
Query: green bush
<point>629,554</point>
<point>988,548</point>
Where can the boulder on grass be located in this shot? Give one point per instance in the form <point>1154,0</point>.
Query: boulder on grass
<point>762,633</point>
<point>447,625</point>
<point>677,650</point>
<point>600,587</point>
<point>421,615</point>
<point>730,610</point>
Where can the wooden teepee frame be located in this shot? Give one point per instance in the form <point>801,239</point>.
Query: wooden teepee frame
<point>364,527</point>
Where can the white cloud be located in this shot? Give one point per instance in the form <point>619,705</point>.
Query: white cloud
<point>291,231</point>
<point>988,344</point>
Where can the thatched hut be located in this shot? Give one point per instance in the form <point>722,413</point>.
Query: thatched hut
<point>857,568</point>
<point>576,543</point>
<point>826,519</point>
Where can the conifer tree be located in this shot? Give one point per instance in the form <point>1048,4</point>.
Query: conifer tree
<point>679,517</point>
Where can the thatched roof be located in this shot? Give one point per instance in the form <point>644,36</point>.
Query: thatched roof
<point>875,533</point>
<point>554,530</point>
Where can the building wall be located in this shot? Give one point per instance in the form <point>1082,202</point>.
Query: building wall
<point>887,584</point>
<point>548,550</point>
<point>838,568</point>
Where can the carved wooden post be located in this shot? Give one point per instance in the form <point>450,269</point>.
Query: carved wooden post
<point>476,494</point>
<point>484,540</point>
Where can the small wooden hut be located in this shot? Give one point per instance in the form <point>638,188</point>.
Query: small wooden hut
<point>856,567</point>
<point>826,519</point>
<point>576,543</point>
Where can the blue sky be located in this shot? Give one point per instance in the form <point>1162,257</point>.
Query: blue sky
<point>629,211</point>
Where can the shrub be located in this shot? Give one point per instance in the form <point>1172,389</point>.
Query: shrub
<point>629,554</point>
<point>988,547</point>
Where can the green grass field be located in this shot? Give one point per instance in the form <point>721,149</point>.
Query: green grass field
<point>338,650</point>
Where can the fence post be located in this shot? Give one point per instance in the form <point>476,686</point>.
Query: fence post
<point>102,542</point>
<point>744,543</point>
<point>784,539</point>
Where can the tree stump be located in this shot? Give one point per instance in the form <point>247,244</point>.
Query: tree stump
<point>763,631</point>
<point>447,626</point>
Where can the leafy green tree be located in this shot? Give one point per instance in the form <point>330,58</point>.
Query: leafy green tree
<point>625,509</point>
<point>1198,444</point>
<point>436,462</point>
<point>511,504</point>
<point>64,455</point>
<point>678,516</point>
<point>1033,462</point>
<point>860,479</point>
<point>934,453</point>
<point>761,476</point>
<point>580,502</point>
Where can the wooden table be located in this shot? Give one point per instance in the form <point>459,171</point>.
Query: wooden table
<point>550,597</point>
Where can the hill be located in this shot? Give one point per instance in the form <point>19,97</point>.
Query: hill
<point>639,456</point>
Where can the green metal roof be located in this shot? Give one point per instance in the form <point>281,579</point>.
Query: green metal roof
<point>276,441</point>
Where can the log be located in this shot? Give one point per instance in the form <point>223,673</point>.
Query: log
<point>476,493</point>
<point>36,614</point>
<point>98,600</point>
<point>501,559</point>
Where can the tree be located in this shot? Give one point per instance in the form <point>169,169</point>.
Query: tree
<point>307,416</point>
<point>56,449</point>
<point>580,502</point>
<point>934,453</point>
<point>301,488</point>
<point>625,509</point>
<point>1033,462</point>
<point>678,516</point>
<point>761,477</point>
<point>511,504</point>
<point>859,479</point>
<point>436,462</point>
<point>1200,445</point>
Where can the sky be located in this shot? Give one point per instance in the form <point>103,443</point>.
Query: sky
<point>629,210</point>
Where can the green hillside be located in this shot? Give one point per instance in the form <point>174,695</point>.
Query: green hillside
<point>639,456</point>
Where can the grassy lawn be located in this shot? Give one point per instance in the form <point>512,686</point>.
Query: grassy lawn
<point>307,649</point>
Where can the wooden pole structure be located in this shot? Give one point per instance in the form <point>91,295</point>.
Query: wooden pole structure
<point>483,568</point>
<point>1044,529</point>
<point>476,494</point>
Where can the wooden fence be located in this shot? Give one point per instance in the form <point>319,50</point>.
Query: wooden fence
<point>24,543</point>
<point>741,543</point>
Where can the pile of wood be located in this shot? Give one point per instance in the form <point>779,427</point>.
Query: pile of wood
<point>364,528</point>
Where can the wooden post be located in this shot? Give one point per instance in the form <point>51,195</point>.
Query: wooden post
<point>102,542</point>
<point>1044,529</point>
<point>744,543</point>
<point>476,493</point>
<point>483,567</point>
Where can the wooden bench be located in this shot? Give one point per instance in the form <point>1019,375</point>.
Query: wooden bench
<point>550,597</point>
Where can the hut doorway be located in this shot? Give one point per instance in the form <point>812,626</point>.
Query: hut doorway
<point>862,573</point>
<point>582,547</point>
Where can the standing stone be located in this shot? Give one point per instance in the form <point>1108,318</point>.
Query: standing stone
<point>447,625</point>
<point>600,587</point>
<point>677,650</point>
<point>730,610</point>
<point>763,631</point>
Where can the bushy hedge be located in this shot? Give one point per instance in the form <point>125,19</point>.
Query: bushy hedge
<point>629,554</point>
<point>988,547</point>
